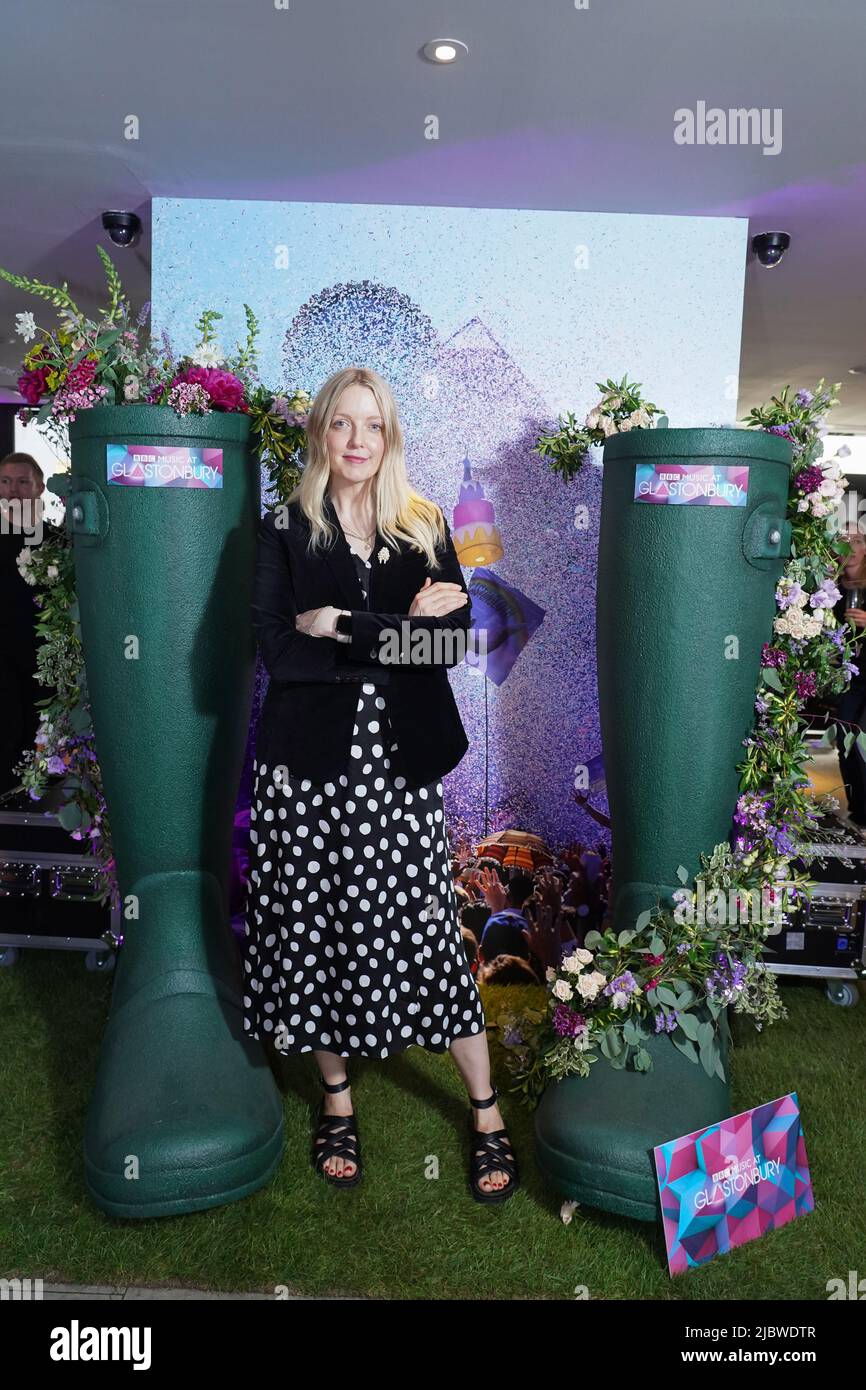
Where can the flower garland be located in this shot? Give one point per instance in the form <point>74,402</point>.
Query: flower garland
<point>682,966</point>
<point>620,408</point>
<point>111,360</point>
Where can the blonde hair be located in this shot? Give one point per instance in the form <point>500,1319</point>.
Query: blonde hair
<point>401,512</point>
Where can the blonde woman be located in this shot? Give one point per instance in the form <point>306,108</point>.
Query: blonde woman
<point>354,947</point>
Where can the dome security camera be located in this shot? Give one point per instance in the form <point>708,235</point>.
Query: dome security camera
<point>770,247</point>
<point>124,228</point>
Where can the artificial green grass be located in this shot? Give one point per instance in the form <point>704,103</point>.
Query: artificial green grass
<point>401,1233</point>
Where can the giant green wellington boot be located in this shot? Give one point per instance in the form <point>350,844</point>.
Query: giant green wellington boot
<point>676,582</point>
<point>185,1112</point>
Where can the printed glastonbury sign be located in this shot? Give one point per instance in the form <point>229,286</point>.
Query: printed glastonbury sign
<point>692,484</point>
<point>732,1182</point>
<point>163,465</point>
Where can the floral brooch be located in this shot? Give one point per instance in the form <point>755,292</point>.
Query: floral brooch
<point>383,555</point>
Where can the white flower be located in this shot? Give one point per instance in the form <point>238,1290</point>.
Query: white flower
<point>208,355</point>
<point>619,999</point>
<point>25,326</point>
<point>52,572</point>
<point>549,974</point>
<point>588,986</point>
<point>577,960</point>
<point>595,982</point>
<point>562,989</point>
<point>593,418</point>
<point>131,388</point>
<point>383,555</point>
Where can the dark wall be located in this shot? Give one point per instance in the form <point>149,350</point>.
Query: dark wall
<point>7,428</point>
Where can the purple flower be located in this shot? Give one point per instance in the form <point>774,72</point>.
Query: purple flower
<point>785,598</point>
<point>623,984</point>
<point>773,656</point>
<point>666,1022</point>
<point>806,684</point>
<point>726,980</point>
<point>780,839</point>
<point>567,1023</point>
<point>751,809</point>
<point>826,596</point>
<point>804,397</point>
<point>808,479</point>
<point>783,430</point>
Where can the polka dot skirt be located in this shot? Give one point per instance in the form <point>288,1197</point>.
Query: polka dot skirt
<point>352,939</point>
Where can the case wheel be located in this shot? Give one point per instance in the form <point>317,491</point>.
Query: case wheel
<point>841,993</point>
<point>102,961</point>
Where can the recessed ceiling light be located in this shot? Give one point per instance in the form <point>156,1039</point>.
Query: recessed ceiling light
<point>445,50</point>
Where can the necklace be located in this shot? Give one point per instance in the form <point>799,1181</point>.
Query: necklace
<point>357,534</point>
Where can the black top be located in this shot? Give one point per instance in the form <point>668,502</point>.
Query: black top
<point>309,711</point>
<point>17,606</point>
<point>363,567</point>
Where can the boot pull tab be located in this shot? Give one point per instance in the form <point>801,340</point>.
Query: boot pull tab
<point>87,514</point>
<point>766,535</point>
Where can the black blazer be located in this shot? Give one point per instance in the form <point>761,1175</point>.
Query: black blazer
<point>309,711</point>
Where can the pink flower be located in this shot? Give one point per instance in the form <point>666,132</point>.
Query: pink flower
<point>32,385</point>
<point>224,389</point>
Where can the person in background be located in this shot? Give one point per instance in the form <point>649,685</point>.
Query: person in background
<point>848,708</point>
<point>21,480</point>
<point>474,916</point>
<point>508,970</point>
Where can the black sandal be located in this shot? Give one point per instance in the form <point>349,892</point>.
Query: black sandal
<point>336,1137</point>
<point>490,1151</point>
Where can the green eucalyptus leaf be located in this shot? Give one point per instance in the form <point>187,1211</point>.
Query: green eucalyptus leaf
<point>70,816</point>
<point>684,1046</point>
<point>689,1025</point>
<point>709,1054</point>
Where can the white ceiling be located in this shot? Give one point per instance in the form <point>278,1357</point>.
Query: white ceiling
<point>555,108</point>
